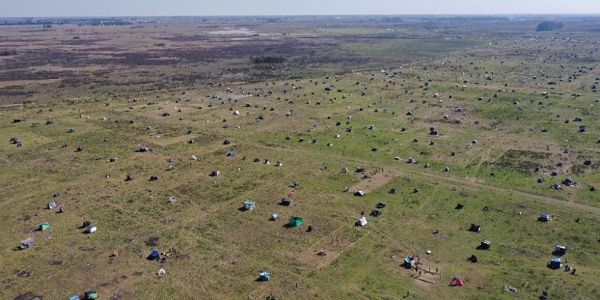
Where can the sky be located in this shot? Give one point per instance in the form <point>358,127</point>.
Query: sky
<point>65,8</point>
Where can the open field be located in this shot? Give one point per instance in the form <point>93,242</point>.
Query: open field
<point>318,95</point>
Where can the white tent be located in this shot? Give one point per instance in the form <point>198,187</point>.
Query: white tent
<point>362,222</point>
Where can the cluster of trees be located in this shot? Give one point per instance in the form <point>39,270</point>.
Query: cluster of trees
<point>7,52</point>
<point>549,26</point>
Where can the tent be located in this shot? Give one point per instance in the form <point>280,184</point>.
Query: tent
<point>362,222</point>
<point>264,276</point>
<point>90,228</point>
<point>457,282</point>
<point>44,227</point>
<point>485,245</point>
<point>560,250</point>
<point>545,217</point>
<point>381,205</point>
<point>555,263</point>
<point>375,213</point>
<point>91,295</point>
<point>154,255</point>
<point>287,201</point>
<point>296,221</point>
<point>27,243</point>
<point>52,205</point>
<point>360,193</point>
<point>249,205</point>
<point>473,259</point>
<point>407,263</point>
<point>475,228</point>
<point>231,153</point>
<point>74,297</point>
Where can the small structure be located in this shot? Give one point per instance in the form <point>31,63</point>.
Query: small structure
<point>44,227</point>
<point>457,282</point>
<point>286,201</point>
<point>27,243</point>
<point>360,193</point>
<point>90,295</point>
<point>555,263</point>
<point>408,263</point>
<point>143,149</point>
<point>485,245</point>
<point>249,205</point>
<point>264,276</point>
<point>560,250</point>
<point>545,217</point>
<point>361,222</point>
<point>154,254</point>
<point>296,221</point>
<point>90,228</point>
<point>475,228</point>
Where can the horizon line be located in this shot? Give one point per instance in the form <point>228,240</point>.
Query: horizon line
<point>309,15</point>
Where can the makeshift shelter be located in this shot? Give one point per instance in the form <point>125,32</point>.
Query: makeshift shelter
<point>74,297</point>
<point>27,243</point>
<point>275,217</point>
<point>154,255</point>
<point>475,228</point>
<point>52,205</point>
<point>457,282</point>
<point>375,213</point>
<point>231,153</point>
<point>296,221</point>
<point>90,295</point>
<point>555,263</point>
<point>90,228</point>
<point>380,205</point>
<point>215,173</point>
<point>264,276</point>
<point>360,193</point>
<point>362,222</point>
<point>44,227</point>
<point>560,250</point>
<point>545,217</point>
<point>249,205</point>
<point>485,245</point>
<point>287,201</point>
<point>473,259</point>
<point>408,262</point>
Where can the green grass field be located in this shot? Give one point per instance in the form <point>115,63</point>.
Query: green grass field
<point>491,138</point>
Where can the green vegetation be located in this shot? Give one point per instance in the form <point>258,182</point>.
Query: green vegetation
<point>502,131</point>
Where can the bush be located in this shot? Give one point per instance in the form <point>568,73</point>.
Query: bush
<point>268,59</point>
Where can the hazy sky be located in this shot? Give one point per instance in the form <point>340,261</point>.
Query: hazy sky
<point>19,8</point>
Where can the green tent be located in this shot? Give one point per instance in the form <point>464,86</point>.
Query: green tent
<point>45,227</point>
<point>296,221</point>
